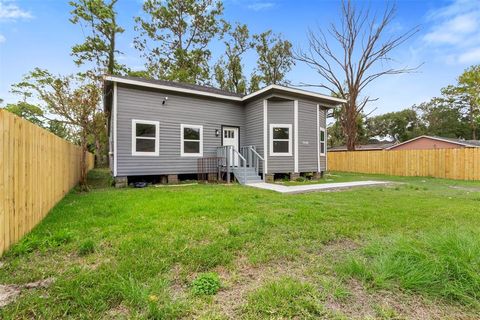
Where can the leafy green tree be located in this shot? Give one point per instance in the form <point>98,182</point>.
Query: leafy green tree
<point>99,19</point>
<point>399,126</point>
<point>466,97</point>
<point>139,73</point>
<point>275,58</point>
<point>255,81</point>
<point>36,115</point>
<point>28,111</point>
<point>74,100</point>
<point>174,36</point>
<point>61,129</point>
<point>99,47</point>
<point>229,72</point>
<point>443,119</point>
<point>336,135</point>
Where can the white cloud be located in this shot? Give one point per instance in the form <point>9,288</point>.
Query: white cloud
<point>10,11</point>
<point>257,6</point>
<point>453,31</point>
<point>2,38</point>
<point>470,57</point>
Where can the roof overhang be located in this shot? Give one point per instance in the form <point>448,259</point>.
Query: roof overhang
<point>332,101</point>
<point>467,145</point>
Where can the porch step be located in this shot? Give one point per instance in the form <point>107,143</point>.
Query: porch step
<point>251,175</point>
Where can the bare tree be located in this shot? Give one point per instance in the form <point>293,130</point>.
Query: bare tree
<point>365,44</point>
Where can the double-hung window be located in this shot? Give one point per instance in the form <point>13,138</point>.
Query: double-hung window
<point>280,139</point>
<point>145,136</point>
<point>192,140</point>
<point>323,141</point>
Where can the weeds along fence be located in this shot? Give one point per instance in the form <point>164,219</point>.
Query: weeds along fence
<point>37,169</point>
<point>460,164</point>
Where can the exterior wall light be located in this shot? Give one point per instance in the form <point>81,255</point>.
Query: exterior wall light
<point>217,133</point>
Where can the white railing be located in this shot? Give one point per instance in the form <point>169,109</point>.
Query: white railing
<point>230,153</point>
<point>253,159</point>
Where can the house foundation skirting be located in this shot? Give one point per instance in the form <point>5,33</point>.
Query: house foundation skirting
<point>269,177</point>
<point>172,179</point>
<point>121,182</point>
<point>294,176</point>
<point>317,175</point>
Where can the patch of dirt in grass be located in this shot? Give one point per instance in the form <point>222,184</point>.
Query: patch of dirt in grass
<point>238,282</point>
<point>339,245</point>
<point>178,286</point>
<point>246,278</point>
<point>363,304</point>
<point>118,312</point>
<point>9,293</point>
<point>470,189</point>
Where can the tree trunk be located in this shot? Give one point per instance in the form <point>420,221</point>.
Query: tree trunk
<point>351,124</point>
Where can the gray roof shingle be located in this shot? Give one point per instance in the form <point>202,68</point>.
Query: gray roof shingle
<point>184,86</point>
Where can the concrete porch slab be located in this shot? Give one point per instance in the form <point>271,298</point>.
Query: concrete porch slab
<point>315,187</point>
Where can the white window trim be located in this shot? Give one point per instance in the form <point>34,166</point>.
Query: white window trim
<point>281,154</point>
<point>295,135</point>
<point>182,140</point>
<point>115,129</point>
<point>324,142</point>
<point>134,137</point>
<point>265,135</point>
<point>318,139</point>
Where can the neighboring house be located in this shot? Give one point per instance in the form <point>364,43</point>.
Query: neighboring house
<point>364,147</point>
<point>432,142</point>
<point>162,128</point>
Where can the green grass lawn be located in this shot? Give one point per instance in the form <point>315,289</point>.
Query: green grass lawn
<point>410,250</point>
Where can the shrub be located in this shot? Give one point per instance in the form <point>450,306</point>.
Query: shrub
<point>206,284</point>
<point>87,247</point>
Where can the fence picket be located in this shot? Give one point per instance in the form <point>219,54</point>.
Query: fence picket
<point>37,169</point>
<point>459,164</point>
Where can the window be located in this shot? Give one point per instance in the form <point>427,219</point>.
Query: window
<point>145,138</point>
<point>280,140</point>
<point>323,143</point>
<point>192,140</point>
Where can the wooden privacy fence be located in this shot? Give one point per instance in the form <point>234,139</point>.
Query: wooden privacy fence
<point>37,169</point>
<point>460,164</point>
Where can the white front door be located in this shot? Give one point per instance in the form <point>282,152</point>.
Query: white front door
<point>230,138</point>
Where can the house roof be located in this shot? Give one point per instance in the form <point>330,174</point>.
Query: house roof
<point>218,93</point>
<point>365,147</point>
<point>461,142</point>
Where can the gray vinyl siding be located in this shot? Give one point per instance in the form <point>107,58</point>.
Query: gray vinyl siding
<point>144,104</point>
<point>254,126</point>
<point>323,124</point>
<point>307,136</point>
<point>280,112</point>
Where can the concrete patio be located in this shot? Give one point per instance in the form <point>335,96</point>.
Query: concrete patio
<point>315,187</point>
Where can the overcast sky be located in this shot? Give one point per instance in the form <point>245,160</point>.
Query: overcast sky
<point>37,33</point>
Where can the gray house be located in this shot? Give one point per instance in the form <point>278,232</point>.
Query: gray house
<point>162,128</point>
